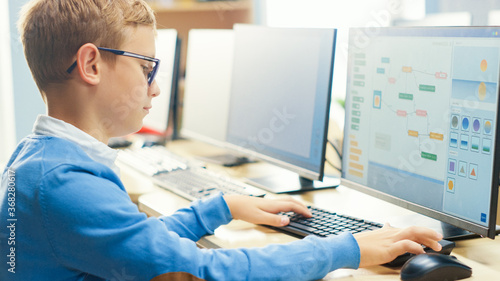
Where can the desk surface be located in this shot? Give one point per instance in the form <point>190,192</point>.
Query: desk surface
<point>482,254</point>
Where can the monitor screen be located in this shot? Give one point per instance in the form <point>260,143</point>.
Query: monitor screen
<point>280,97</point>
<point>421,118</point>
<point>168,52</point>
<point>207,85</point>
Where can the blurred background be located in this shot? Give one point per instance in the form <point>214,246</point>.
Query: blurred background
<point>20,101</point>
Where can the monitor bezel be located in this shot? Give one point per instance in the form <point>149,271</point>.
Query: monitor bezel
<point>489,231</point>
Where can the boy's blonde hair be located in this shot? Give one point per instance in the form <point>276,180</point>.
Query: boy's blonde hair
<point>52,31</point>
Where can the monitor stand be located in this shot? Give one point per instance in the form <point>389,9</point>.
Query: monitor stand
<point>226,160</point>
<point>454,233</point>
<point>291,182</point>
<point>450,232</point>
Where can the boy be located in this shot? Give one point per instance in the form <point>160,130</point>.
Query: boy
<point>67,213</point>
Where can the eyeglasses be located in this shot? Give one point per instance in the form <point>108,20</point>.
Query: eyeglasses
<point>151,74</point>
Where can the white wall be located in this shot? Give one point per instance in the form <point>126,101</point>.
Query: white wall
<point>7,127</point>
<point>339,14</point>
<point>28,103</point>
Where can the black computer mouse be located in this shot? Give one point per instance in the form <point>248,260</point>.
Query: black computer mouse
<point>431,267</point>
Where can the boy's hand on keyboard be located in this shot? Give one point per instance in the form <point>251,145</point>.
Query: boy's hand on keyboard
<point>385,244</point>
<point>264,211</point>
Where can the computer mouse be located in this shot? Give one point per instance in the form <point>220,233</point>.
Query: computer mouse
<point>434,266</point>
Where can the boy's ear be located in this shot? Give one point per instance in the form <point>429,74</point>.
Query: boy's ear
<point>89,60</point>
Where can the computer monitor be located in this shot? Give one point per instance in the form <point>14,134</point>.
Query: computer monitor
<point>167,50</point>
<point>205,104</point>
<point>207,85</point>
<point>421,121</point>
<point>280,100</point>
<point>207,89</point>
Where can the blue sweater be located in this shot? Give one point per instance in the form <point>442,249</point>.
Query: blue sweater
<point>64,216</point>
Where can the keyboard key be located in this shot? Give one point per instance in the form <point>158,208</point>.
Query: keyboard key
<point>302,227</point>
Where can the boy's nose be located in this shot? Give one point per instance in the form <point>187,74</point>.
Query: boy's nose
<point>154,90</point>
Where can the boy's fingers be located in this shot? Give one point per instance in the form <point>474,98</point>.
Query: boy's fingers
<point>292,206</point>
<point>272,219</point>
<point>404,246</point>
<point>412,238</point>
<point>425,236</point>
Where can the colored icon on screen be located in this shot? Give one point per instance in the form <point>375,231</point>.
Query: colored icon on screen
<point>476,125</point>
<point>452,166</point>
<point>487,127</point>
<point>465,123</point>
<point>474,144</point>
<point>377,99</point>
<point>481,91</point>
<point>453,140</point>
<point>462,169</point>
<point>450,186</point>
<point>484,65</point>
<point>454,122</point>
<point>486,146</point>
<point>473,171</point>
<point>464,142</point>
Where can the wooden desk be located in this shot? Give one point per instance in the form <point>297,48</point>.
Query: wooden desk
<point>483,255</point>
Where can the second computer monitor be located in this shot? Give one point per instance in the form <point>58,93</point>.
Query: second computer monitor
<point>280,99</point>
<point>421,121</point>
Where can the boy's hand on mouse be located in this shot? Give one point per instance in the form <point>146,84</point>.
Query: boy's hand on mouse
<point>263,210</point>
<point>384,245</point>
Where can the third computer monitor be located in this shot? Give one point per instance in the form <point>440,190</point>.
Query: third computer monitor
<point>167,50</point>
<point>421,121</point>
<point>280,99</point>
<point>207,85</point>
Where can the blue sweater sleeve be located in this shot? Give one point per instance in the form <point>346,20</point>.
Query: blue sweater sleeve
<point>200,219</point>
<point>93,227</point>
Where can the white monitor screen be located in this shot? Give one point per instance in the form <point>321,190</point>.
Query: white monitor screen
<point>207,85</point>
<point>280,95</point>
<point>166,51</point>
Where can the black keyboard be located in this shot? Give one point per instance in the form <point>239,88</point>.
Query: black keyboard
<point>324,223</point>
<point>197,183</point>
